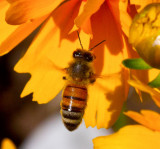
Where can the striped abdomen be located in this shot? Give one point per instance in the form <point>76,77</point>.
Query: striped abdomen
<point>73,105</point>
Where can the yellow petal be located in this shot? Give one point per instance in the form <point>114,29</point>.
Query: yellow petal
<point>152,74</point>
<point>21,11</point>
<point>145,88</point>
<point>51,47</point>
<point>7,144</point>
<point>90,8</point>
<point>105,101</point>
<point>139,93</point>
<point>142,3</point>
<point>11,36</point>
<point>119,10</point>
<point>129,137</point>
<point>107,96</point>
<point>48,42</point>
<point>147,118</point>
<point>46,82</point>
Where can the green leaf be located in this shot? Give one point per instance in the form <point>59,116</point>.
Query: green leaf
<point>155,82</point>
<point>136,63</point>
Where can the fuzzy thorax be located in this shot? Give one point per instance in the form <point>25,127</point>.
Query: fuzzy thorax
<point>80,72</point>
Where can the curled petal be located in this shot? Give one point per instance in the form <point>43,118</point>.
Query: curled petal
<point>13,35</point>
<point>17,34</point>
<point>129,137</point>
<point>147,118</point>
<point>21,11</point>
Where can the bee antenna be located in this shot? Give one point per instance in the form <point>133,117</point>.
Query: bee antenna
<point>79,39</point>
<point>96,45</point>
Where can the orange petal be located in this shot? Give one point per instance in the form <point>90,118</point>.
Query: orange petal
<point>7,144</point>
<point>142,3</point>
<point>110,52</point>
<point>129,137</point>
<point>147,118</point>
<point>145,88</point>
<point>86,27</point>
<point>90,8</point>
<point>21,11</point>
<point>119,10</point>
<point>139,93</point>
<point>54,29</point>
<point>107,97</point>
<point>13,35</point>
<point>44,54</point>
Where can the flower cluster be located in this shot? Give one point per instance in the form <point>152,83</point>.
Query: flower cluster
<point>51,51</point>
<point>143,135</point>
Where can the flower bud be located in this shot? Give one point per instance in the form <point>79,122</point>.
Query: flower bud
<point>144,34</point>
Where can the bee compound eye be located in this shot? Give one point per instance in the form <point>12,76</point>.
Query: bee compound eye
<point>88,57</point>
<point>77,54</point>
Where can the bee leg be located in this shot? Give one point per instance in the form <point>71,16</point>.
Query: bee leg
<point>64,78</point>
<point>92,77</point>
<point>92,81</point>
<point>66,70</point>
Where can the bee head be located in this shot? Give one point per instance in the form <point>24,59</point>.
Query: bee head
<point>82,54</point>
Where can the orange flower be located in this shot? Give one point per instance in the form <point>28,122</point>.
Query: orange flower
<point>145,135</point>
<point>134,136</point>
<point>147,118</point>
<point>56,41</point>
<point>12,35</point>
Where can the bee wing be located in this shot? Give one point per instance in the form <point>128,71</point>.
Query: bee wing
<point>103,80</point>
<point>107,76</point>
<point>54,66</point>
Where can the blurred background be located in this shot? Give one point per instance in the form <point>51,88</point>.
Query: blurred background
<point>33,126</point>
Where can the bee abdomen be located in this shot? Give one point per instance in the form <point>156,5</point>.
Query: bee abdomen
<point>71,119</point>
<point>73,105</point>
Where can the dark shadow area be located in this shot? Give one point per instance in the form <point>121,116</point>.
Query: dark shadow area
<point>18,116</point>
<point>104,27</point>
<point>135,104</point>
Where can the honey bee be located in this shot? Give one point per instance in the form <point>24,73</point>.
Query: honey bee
<point>80,74</point>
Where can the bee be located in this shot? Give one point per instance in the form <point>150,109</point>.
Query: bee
<point>80,74</point>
